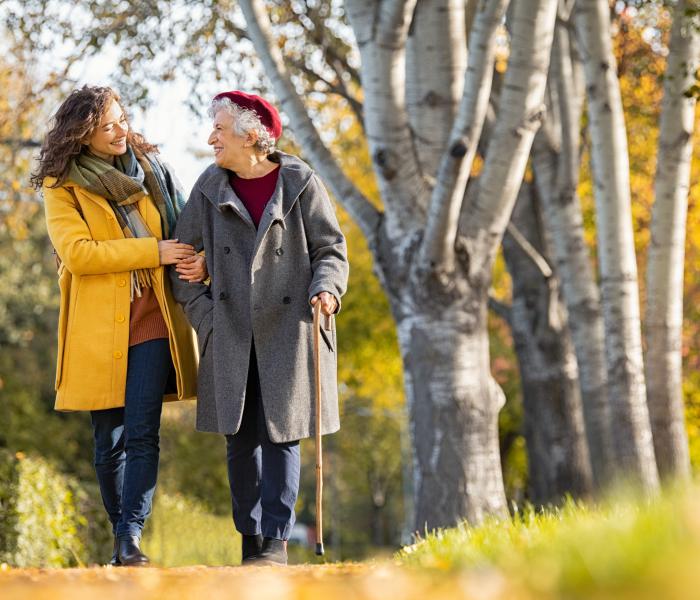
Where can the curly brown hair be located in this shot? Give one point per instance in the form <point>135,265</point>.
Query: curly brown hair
<point>76,120</point>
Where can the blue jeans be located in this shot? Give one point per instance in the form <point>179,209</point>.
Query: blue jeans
<point>263,476</point>
<point>126,439</point>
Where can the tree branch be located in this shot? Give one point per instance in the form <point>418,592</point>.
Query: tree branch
<point>320,34</point>
<point>394,21</point>
<point>436,60</point>
<point>381,35</point>
<point>339,88</point>
<point>529,250</point>
<point>520,114</point>
<point>437,251</point>
<point>360,208</point>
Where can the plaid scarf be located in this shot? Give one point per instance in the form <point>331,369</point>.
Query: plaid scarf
<point>132,177</point>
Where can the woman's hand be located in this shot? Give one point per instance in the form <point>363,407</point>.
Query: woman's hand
<point>172,251</point>
<point>193,269</point>
<point>328,303</point>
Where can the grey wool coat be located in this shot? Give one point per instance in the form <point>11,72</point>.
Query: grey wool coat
<point>261,284</point>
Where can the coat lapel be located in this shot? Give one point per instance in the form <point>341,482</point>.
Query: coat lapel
<point>218,190</point>
<point>151,216</point>
<point>290,184</point>
<point>94,198</point>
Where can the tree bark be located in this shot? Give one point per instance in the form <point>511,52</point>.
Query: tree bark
<point>557,451</point>
<point>617,263</point>
<point>664,318</point>
<point>381,30</point>
<point>454,416</point>
<point>436,59</point>
<point>447,197</point>
<point>555,162</point>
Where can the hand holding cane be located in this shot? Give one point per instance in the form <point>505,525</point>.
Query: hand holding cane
<point>319,455</point>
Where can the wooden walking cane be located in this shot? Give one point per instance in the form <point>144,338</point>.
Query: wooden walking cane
<point>319,453</point>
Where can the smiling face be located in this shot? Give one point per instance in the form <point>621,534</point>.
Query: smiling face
<point>109,138</point>
<point>231,151</point>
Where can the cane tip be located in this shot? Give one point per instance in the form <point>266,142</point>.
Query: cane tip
<point>319,549</point>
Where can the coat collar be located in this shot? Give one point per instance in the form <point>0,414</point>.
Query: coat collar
<point>293,178</point>
<point>147,209</point>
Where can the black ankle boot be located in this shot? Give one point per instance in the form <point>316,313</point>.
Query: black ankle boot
<point>114,562</point>
<point>274,552</point>
<point>251,545</point>
<point>129,552</point>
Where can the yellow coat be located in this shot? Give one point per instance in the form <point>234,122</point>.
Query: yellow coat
<point>94,280</point>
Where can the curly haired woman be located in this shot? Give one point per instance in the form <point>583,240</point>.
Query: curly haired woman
<point>124,344</point>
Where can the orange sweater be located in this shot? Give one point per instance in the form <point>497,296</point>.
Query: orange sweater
<point>146,321</point>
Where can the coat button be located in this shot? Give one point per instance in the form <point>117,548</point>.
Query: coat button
<point>227,249</point>
<point>120,318</point>
<point>279,251</point>
<point>222,296</point>
<point>286,300</point>
<point>118,354</point>
<point>121,282</point>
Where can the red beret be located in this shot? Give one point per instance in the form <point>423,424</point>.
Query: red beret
<point>268,114</point>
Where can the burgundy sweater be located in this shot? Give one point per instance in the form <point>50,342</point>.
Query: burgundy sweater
<point>255,193</point>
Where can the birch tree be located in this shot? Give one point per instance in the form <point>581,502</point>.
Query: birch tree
<point>664,316</point>
<point>555,162</point>
<point>557,451</point>
<point>617,263</point>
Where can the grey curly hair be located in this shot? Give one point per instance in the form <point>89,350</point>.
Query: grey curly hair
<point>244,122</point>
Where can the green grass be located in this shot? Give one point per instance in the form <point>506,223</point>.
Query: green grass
<point>620,548</point>
<point>181,532</point>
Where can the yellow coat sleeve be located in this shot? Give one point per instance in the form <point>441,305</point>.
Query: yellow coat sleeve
<point>83,255</point>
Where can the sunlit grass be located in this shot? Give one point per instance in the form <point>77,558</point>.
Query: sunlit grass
<point>621,547</point>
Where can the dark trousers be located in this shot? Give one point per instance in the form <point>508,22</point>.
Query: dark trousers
<point>126,439</point>
<point>264,476</point>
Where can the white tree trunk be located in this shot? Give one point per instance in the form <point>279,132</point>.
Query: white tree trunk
<point>558,461</point>
<point>521,109</point>
<point>454,405</point>
<point>436,58</point>
<point>437,252</point>
<point>664,318</point>
<point>555,161</point>
<point>381,29</point>
<point>618,268</point>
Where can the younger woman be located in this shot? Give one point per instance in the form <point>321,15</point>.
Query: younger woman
<point>123,342</point>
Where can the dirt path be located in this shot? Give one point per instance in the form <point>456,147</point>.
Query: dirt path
<point>381,581</point>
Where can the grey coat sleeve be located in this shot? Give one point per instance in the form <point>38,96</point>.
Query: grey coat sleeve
<point>195,298</point>
<point>325,241</point>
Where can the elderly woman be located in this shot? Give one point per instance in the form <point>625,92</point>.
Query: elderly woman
<point>273,249</point>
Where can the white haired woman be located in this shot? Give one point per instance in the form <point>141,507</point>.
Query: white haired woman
<point>273,249</point>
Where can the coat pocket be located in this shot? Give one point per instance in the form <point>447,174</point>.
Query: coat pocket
<point>324,335</point>
<point>204,332</point>
<point>64,285</point>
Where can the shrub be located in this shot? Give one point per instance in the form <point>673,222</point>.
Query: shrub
<point>46,518</point>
